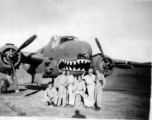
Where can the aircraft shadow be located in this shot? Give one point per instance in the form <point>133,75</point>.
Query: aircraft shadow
<point>32,93</point>
<point>36,89</point>
<point>13,91</point>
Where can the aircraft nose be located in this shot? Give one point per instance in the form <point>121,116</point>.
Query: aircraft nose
<point>77,49</point>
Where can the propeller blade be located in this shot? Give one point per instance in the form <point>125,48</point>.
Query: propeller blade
<point>14,77</point>
<point>3,54</point>
<point>26,43</point>
<point>100,48</point>
<point>123,66</point>
<point>105,71</point>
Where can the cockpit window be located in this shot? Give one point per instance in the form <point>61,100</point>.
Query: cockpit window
<point>54,41</point>
<point>57,40</point>
<point>67,38</point>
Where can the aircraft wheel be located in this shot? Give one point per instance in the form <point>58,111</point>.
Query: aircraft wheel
<point>3,86</point>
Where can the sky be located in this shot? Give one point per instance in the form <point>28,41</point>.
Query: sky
<point>123,27</point>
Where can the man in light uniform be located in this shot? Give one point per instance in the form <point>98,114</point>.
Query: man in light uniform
<point>50,95</point>
<point>61,82</point>
<point>90,81</point>
<point>79,88</point>
<point>100,84</point>
<point>71,82</point>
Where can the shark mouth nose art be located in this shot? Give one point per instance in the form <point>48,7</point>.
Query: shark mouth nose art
<point>73,65</point>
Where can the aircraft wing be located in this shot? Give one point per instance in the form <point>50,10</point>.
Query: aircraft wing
<point>32,58</point>
<point>134,64</point>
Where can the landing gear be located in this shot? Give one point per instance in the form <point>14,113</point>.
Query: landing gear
<point>3,86</point>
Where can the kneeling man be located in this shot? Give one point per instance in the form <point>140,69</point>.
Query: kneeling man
<point>50,95</point>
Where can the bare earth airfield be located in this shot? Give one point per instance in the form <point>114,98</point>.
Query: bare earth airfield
<point>116,104</point>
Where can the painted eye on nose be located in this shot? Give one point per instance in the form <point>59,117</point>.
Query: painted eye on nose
<point>83,55</point>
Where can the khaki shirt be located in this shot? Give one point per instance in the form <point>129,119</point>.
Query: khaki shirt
<point>71,79</point>
<point>79,86</point>
<point>61,80</point>
<point>89,79</point>
<point>50,93</point>
<point>101,78</point>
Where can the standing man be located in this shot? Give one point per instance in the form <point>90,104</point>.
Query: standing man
<point>50,95</point>
<point>90,81</point>
<point>71,82</point>
<point>99,85</point>
<point>61,82</point>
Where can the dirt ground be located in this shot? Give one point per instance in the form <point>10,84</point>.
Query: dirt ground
<point>115,105</point>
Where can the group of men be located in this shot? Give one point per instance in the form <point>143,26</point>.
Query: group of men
<point>66,87</point>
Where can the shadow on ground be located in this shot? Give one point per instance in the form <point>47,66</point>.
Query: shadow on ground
<point>78,115</point>
<point>13,91</point>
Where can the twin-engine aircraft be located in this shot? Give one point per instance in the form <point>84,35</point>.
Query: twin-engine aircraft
<point>66,52</point>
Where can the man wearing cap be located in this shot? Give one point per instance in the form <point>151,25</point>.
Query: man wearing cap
<point>50,95</point>
<point>61,82</point>
<point>90,83</point>
<point>99,85</point>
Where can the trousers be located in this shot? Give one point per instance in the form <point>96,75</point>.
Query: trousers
<point>71,96</point>
<point>53,100</point>
<point>98,95</point>
<point>62,93</point>
<point>90,100</point>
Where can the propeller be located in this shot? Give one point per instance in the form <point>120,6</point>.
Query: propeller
<point>26,43</point>
<point>14,77</point>
<point>109,64</point>
<point>10,58</point>
<point>100,48</point>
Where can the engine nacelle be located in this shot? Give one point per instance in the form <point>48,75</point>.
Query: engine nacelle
<point>100,64</point>
<point>4,62</point>
<point>29,68</point>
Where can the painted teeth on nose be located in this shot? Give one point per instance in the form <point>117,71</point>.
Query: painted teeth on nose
<point>74,69</point>
<point>78,69</point>
<point>82,60</point>
<point>66,68</point>
<point>67,62</point>
<point>78,61</point>
<point>86,61</point>
<point>70,62</point>
<point>74,62</point>
<point>70,68</point>
<point>83,69</point>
